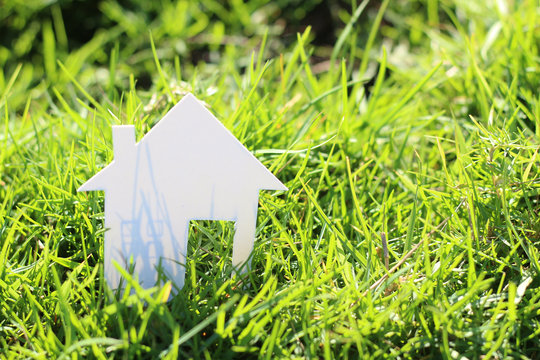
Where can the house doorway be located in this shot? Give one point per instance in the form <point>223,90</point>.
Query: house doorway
<point>209,255</point>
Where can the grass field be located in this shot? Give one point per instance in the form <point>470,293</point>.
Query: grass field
<point>407,132</point>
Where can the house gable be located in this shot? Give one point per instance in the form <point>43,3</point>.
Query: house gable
<point>201,143</point>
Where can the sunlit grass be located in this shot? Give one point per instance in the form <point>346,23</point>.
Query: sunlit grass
<point>410,229</point>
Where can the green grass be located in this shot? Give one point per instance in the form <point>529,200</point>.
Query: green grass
<point>411,227</point>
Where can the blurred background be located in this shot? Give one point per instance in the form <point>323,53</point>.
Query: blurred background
<point>94,38</point>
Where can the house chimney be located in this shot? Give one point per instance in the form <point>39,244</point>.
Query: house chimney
<point>123,141</point>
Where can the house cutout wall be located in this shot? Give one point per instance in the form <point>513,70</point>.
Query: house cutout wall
<point>187,167</point>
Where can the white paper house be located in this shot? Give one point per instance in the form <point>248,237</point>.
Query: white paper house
<point>187,167</point>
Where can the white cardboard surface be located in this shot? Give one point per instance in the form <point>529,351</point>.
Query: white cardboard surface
<point>187,167</point>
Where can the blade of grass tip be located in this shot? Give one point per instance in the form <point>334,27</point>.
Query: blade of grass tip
<point>262,49</point>
<point>81,89</point>
<point>348,28</point>
<point>49,51</point>
<point>329,92</point>
<point>177,68</point>
<point>250,94</point>
<point>307,69</point>
<point>19,145</point>
<point>9,85</point>
<point>433,13</point>
<point>485,91</point>
<point>377,86</point>
<point>398,161</point>
<point>282,75</point>
<point>442,154</point>
<point>23,129</point>
<point>158,67</point>
<point>291,62</point>
<point>59,27</point>
<point>344,92</point>
<point>112,69</point>
<point>325,170</point>
<point>33,121</point>
<point>404,100</point>
<point>352,55</point>
<point>371,37</point>
<point>250,69</point>
<point>529,166</point>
